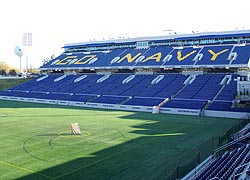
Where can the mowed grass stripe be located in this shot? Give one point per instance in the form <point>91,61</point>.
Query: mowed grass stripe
<point>23,169</point>
<point>118,153</point>
<point>154,161</point>
<point>121,145</point>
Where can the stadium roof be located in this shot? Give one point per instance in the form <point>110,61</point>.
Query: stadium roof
<point>177,37</point>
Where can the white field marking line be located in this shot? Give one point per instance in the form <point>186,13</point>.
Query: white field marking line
<point>23,169</point>
<point>118,153</point>
<point>55,135</point>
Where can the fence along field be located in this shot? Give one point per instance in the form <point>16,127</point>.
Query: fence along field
<point>36,143</point>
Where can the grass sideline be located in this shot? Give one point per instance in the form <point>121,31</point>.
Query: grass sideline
<point>35,142</point>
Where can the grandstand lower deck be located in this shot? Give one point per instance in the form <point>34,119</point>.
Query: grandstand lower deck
<point>170,91</point>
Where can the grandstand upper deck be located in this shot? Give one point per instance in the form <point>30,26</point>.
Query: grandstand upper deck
<point>198,50</point>
<point>195,39</point>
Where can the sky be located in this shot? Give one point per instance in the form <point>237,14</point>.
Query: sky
<point>54,23</point>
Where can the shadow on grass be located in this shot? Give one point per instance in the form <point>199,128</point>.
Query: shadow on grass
<point>155,155</point>
<point>142,158</point>
<point>165,142</point>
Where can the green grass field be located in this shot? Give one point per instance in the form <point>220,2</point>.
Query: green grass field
<point>35,142</point>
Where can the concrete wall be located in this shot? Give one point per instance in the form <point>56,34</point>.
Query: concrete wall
<point>226,114</point>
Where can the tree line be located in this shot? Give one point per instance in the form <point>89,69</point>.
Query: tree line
<point>6,70</point>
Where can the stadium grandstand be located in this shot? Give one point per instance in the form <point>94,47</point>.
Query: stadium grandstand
<point>229,162</point>
<point>202,74</point>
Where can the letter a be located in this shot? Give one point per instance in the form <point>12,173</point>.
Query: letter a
<point>156,57</point>
<point>129,58</point>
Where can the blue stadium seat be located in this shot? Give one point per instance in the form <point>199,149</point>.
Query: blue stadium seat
<point>243,54</point>
<point>142,101</point>
<point>215,55</point>
<point>185,104</point>
<point>114,90</point>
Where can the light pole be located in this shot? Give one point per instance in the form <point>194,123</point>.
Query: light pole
<point>27,41</point>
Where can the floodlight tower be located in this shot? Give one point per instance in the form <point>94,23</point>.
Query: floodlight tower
<point>18,51</point>
<point>27,41</point>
